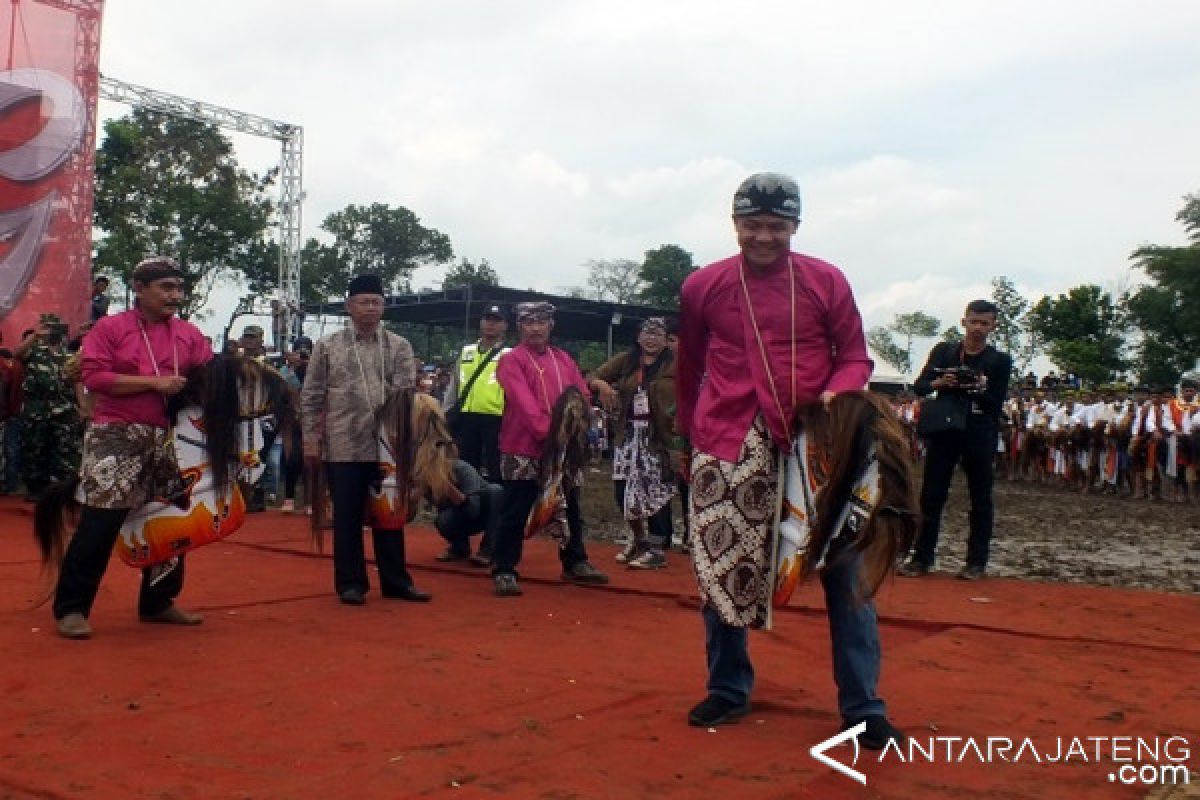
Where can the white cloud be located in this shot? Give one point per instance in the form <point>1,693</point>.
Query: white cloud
<point>937,145</point>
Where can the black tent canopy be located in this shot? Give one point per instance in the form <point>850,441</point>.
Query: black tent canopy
<point>460,308</point>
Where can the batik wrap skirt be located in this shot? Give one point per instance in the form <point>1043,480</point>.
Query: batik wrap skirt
<point>649,483</point>
<point>127,464</point>
<point>733,510</point>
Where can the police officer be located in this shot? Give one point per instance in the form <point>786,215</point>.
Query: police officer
<point>474,404</point>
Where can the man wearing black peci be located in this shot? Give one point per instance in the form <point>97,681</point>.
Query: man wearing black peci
<point>975,373</point>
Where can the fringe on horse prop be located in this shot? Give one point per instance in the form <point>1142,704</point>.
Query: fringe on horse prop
<point>220,420</point>
<point>565,455</point>
<point>849,488</point>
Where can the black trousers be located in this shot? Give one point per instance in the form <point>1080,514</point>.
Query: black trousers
<point>480,512</point>
<point>975,449</point>
<point>478,440</point>
<point>517,500</point>
<point>658,528</point>
<point>349,482</point>
<point>87,559</point>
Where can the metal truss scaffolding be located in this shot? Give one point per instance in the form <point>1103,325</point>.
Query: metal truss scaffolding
<point>291,184</point>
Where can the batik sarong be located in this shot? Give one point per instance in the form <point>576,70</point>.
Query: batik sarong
<point>127,464</point>
<point>733,509</point>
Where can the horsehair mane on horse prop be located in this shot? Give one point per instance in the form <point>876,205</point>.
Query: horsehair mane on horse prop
<point>229,390</point>
<point>850,488</point>
<point>218,422</point>
<point>565,453</point>
<point>433,450</point>
<point>566,445</point>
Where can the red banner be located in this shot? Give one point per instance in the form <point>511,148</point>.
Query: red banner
<point>48,87</point>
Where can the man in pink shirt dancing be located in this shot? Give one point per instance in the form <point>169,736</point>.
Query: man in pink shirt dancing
<point>761,334</point>
<point>534,374</point>
<point>132,362</point>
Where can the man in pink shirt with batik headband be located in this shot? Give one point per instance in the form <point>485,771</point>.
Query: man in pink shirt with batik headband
<point>132,362</point>
<point>534,374</point>
<point>762,334</point>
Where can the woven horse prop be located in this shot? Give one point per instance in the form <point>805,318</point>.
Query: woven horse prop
<point>849,488</point>
<point>220,420</point>
<point>564,455</point>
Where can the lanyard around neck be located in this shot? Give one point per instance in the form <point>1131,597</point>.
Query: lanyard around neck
<point>542,377</point>
<point>762,348</point>
<point>154,358</point>
<point>150,349</point>
<point>362,372</point>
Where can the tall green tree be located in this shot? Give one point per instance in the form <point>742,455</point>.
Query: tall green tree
<point>1084,332</point>
<point>1167,310</point>
<point>910,326</point>
<point>172,186</point>
<point>381,240</point>
<point>467,273</point>
<point>662,274</point>
<point>1013,334</point>
<point>881,342</point>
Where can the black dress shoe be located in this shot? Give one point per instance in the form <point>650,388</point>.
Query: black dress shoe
<point>450,555</point>
<point>352,597</point>
<point>410,593</point>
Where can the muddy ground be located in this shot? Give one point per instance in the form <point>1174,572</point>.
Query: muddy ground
<point>1041,533</point>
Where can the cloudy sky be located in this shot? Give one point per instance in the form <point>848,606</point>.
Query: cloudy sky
<point>936,144</point>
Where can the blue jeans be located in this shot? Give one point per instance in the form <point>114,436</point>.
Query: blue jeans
<point>270,477</point>
<point>853,632</point>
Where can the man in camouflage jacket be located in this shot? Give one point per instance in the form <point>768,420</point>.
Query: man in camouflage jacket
<point>52,431</point>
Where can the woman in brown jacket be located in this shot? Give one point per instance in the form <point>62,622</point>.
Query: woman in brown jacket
<point>638,389</point>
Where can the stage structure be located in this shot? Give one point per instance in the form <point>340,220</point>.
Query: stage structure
<point>291,183</point>
<point>47,153</point>
<point>49,87</point>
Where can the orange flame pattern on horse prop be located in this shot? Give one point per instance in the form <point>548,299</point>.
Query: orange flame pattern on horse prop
<point>848,487</point>
<point>416,457</point>
<point>564,456</point>
<point>218,437</point>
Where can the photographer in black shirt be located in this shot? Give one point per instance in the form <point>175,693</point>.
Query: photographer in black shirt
<point>976,373</point>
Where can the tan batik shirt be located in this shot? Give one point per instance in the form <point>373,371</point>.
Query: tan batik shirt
<point>348,381</point>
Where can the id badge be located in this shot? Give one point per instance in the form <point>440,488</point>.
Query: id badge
<point>641,404</point>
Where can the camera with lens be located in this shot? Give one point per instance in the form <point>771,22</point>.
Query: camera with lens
<point>967,378</point>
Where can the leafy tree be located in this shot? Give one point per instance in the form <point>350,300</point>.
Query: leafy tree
<point>171,186</point>
<point>615,280</point>
<point>465,273</point>
<point>1167,311</point>
<point>952,334</point>
<point>881,342</point>
<point>662,275</point>
<point>911,325</point>
<point>1084,332</point>
<point>1013,334</point>
<point>378,239</point>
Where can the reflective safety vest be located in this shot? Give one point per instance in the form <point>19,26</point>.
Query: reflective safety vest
<point>487,396</point>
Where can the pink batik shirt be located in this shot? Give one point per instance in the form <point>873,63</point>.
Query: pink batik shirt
<point>116,347</point>
<point>721,378</point>
<point>532,383</point>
